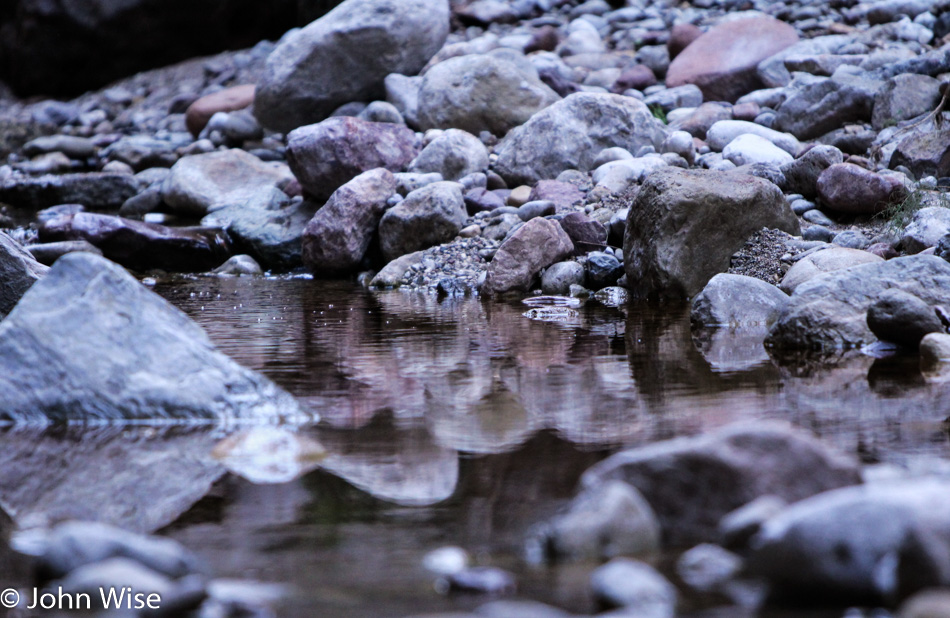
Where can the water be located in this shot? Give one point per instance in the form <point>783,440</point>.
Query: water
<point>446,422</point>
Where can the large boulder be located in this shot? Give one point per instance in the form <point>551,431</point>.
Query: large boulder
<point>90,343</point>
<point>337,237</point>
<point>327,155</point>
<point>685,225</point>
<point>345,56</point>
<point>428,216</point>
<point>479,93</point>
<point>828,313</point>
<point>535,245</point>
<point>691,483</point>
<point>18,272</point>
<point>572,132</point>
<point>723,61</point>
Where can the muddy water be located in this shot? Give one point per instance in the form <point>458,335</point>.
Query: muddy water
<point>447,422</point>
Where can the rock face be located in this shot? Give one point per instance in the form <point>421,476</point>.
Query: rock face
<point>723,61</point>
<point>337,237</point>
<point>345,56</point>
<point>829,312</point>
<point>737,301</point>
<point>871,544</point>
<point>90,343</point>
<point>685,225</point>
<point>479,93</point>
<point>428,216</point>
<point>691,483</point>
<point>572,132</point>
<point>537,244</point>
<point>18,272</point>
<point>848,188</point>
<point>327,155</point>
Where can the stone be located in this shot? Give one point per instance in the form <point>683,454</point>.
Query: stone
<point>227,100</point>
<point>95,191</point>
<point>239,265</point>
<point>140,245</point>
<point>723,61</point>
<point>559,277</point>
<point>545,38</point>
<point>89,343</point>
<point>345,56</point>
<point>480,92</point>
<point>538,208</point>
<point>738,527</point>
<point>572,132</point>
<point>47,253</point>
<point>747,149</point>
<point>851,189</point>
<point>691,483</point>
<point>446,560</point>
<point>338,236</point>
<point>707,567</point>
<point>926,604</point>
<point>142,152</point>
<point>479,200</point>
<point>724,132</point>
<point>828,313</point>
<point>403,93</point>
<point>233,129</point>
<point>563,194</point>
<point>70,145</point>
<point>824,261</point>
<point>486,12</point>
<point>585,233</point>
<point>519,609</point>
<point>820,219</point>
<point>327,155</point>
<point>924,153</point>
<point>801,175</point>
<point>904,97</point>
<point>119,573</point>
<point>925,229</point>
<point>821,106</point>
<point>18,272</point>
<point>535,245</point>
<point>454,154</point>
<point>519,196</point>
<point>390,276</point>
<point>407,182</point>
<point>482,580</point>
<point>737,301</point>
<point>382,111</point>
<point>681,36</point>
<point>666,248</point>
<point>428,216</point>
<point>687,96</point>
<point>702,118</point>
<point>902,318</point>
<point>603,269</point>
<point>635,586</point>
<point>637,77</point>
<point>203,183</point>
<point>681,143</point>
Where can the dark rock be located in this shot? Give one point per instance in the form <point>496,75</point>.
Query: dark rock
<point>95,191</point>
<point>821,106</point>
<point>486,12</point>
<point>558,278</point>
<point>545,38</point>
<point>902,318</point>
<point>428,216</point>
<point>924,153</point>
<point>636,77</point>
<point>848,188</point>
<point>681,35</point>
<point>47,253</point>
<point>586,233</point>
<point>18,272</point>
<point>478,200</point>
<point>801,175</point>
<point>603,269</point>
<point>700,121</point>
<point>537,244</point>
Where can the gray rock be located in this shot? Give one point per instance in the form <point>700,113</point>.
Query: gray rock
<point>519,609</point>
<point>666,248</point>
<point>587,234</point>
<point>824,261</point>
<point>72,146</point>
<point>95,191</point>
<point>403,93</point>
<point>407,182</point>
<point>902,318</point>
<point>924,153</point>
<point>691,483</point>
<point>18,272</point>
<point>382,111</point>
<point>904,97</point>
<point>558,278</point>
<point>926,228</point>
<point>738,527</point>
<point>737,301</point>
<point>535,245</point>
<point>140,205</point>
<point>90,343</point>
<point>635,586</point>
<point>117,573</point>
<point>454,154</point>
<point>801,175</point>
<point>603,269</point>
<point>724,132</point>
<point>851,239</point>
<point>707,567</point>
<point>338,236</point>
<point>750,149</point>
<point>828,313</point>
<point>141,152</point>
<point>327,155</point>
<point>823,105</point>
<point>428,216</point>
<point>482,580</point>
<point>239,265</point>
<point>819,219</point>
<point>345,56</point>
<point>537,208</point>
<point>571,133</point>
<point>390,276</point>
<point>478,93</point>
<point>848,188</point>
<point>47,253</point>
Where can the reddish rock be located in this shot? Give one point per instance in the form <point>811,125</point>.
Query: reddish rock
<point>636,77</point>
<point>586,233</point>
<point>850,189</point>
<point>883,250</point>
<point>537,244</point>
<point>745,111</point>
<point>563,194</point>
<point>723,61</point>
<point>229,100</point>
<point>680,37</point>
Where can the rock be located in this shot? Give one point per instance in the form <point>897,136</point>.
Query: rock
<point>403,93</point>
<point>47,253</point>
<point>239,265</point>
<point>142,152</point>
<point>902,318</point>
<point>820,219</point>
<point>681,143</point>
<point>747,149</point>
<point>675,98</point>
<point>723,61</point>
<point>482,580</point>
<point>926,604</point>
<point>478,200</point>
<point>141,246</point>
<point>724,132</point>
<point>603,522</point>
<point>704,118</point>
<point>558,278</point>
<point>407,182</point>
<point>821,106</point>
<point>904,97</point>
<point>737,301</point>
<point>875,543</point>
<point>707,567</point>
<point>382,111</point>
<point>391,274</point>
<point>924,153</point>
<point>563,194</point>
<point>345,56</point>
<point>801,175</point>
<point>519,196</point>
<point>537,244</point>
<point>637,77</point>
<point>850,189</point>
<point>681,36</point>
<point>203,183</point>
<point>666,248</point>
<point>927,226</point>
<point>90,343</point>
<point>586,233</point>
<point>828,313</point>
<point>454,154</point>
<point>571,133</point>
<point>446,560</point>
<point>519,609</point>
<point>739,526</point>
<point>691,483</point>
<point>118,573</point>
<point>95,191</point>
<point>934,349</point>
<point>227,100</point>
<point>480,92</point>
<point>486,12</point>
<point>538,208</point>
<point>338,236</point>
<point>72,146</point>
<point>18,272</point>
<point>824,261</point>
<point>327,155</point>
<point>233,128</point>
<point>603,269</point>
<point>428,216</point>
<point>635,586</point>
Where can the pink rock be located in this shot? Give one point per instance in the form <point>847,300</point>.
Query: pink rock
<point>229,100</point>
<point>723,61</point>
<point>538,243</point>
<point>680,37</point>
<point>563,194</point>
<point>847,188</point>
<point>745,111</point>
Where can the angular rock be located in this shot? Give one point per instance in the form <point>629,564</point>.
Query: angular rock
<point>685,225</point>
<point>478,93</point>
<point>454,154</point>
<point>337,237</point>
<point>824,261</point>
<point>586,233</point>
<point>723,61</point>
<point>563,194</point>
<point>571,133</point>
<point>227,100</point>
<point>536,244</point>
<point>345,56</point>
<point>851,189</point>
<point>18,272</point>
<point>691,483</point>
<point>904,97</point>
<point>327,155</point>
<point>428,216</point>
<point>90,343</point>
<point>801,175</point>
<point>737,301</point>
<point>924,153</point>
<point>927,226</point>
<point>821,106</point>
<point>902,318</point>
<point>95,191</point>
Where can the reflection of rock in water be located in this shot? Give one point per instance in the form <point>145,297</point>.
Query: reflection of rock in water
<point>731,349</point>
<point>136,478</point>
